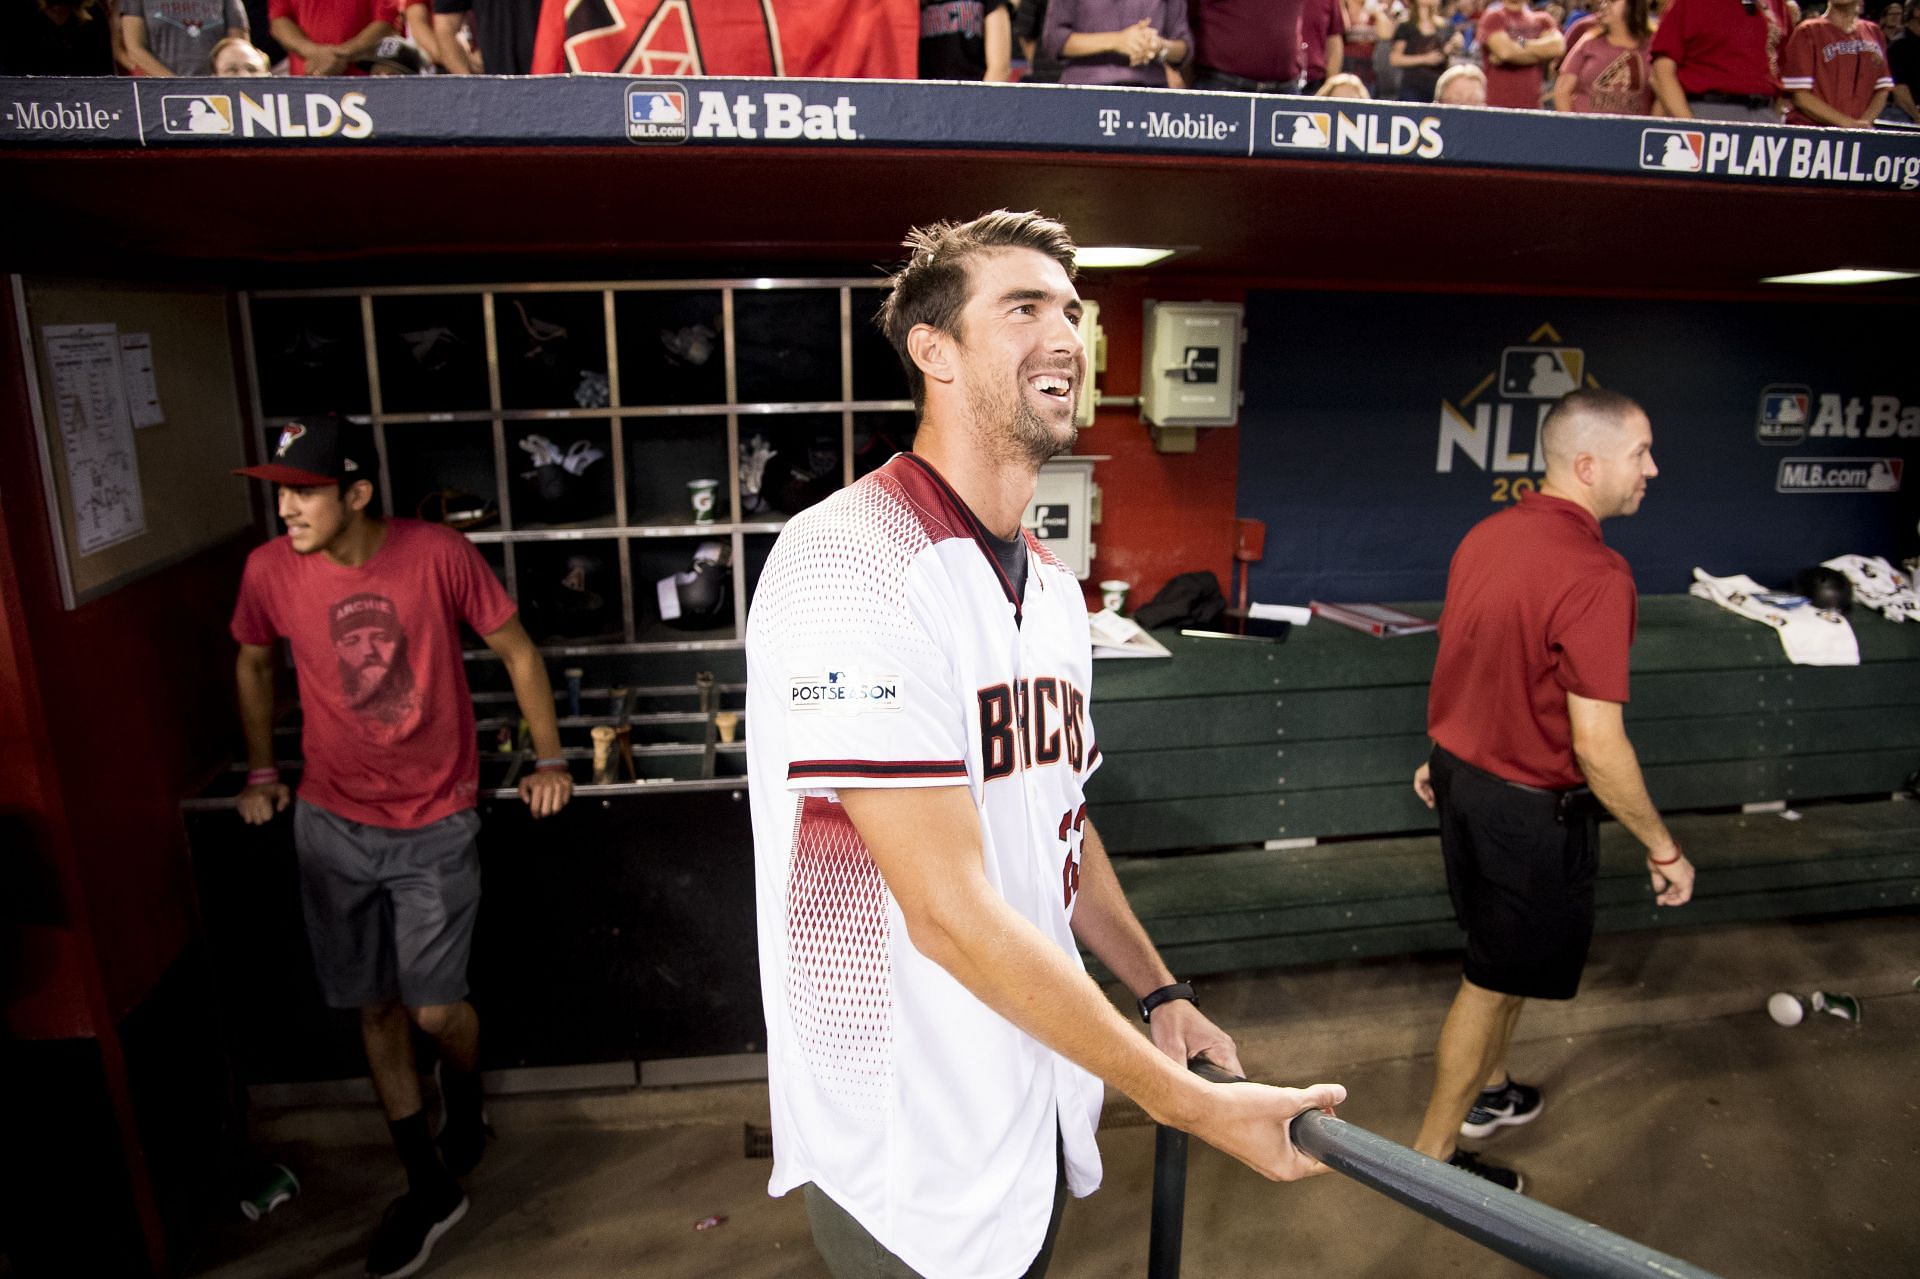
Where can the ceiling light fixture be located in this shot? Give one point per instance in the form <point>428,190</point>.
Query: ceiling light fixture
<point>1118,256</point>
<point>1843,275</point>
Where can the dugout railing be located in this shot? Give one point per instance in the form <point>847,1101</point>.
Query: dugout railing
<point>1553,1243</point>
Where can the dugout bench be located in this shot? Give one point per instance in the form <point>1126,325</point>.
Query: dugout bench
<point>1291,745</point>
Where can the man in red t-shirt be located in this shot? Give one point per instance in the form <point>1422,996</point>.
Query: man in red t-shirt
<point>1520,42</point>
<point>1835,69</point>
<point>1525,712</point>
<point>327,37</point>
<point>384,825</point>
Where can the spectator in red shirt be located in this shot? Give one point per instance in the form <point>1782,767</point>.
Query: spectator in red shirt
<point>1720,59</point>
<point>326,37</point>
<point>1607,71</point>
<point>1323,42</point>
<point>1519,42</point>
<point>1835,69</point>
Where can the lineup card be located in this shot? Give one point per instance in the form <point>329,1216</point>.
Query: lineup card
<point>96,434</point>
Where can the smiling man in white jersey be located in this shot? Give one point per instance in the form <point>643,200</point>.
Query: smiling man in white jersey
<point>918,670</point>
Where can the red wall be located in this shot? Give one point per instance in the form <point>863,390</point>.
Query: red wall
<point>1163,513</point>
<point>108,715</point>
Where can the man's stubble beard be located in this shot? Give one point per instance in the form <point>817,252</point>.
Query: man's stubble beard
<point>1014,433</point>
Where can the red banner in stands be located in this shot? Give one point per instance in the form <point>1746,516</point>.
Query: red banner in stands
<point>870,39</point>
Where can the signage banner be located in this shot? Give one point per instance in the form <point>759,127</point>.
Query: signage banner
<point>681,111</point>
<point>1378,428</point>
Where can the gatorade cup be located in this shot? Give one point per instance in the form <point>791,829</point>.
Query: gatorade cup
<point>279,1186</point>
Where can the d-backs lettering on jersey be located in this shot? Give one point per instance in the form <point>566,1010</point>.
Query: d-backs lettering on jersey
<point>673,38</point>
<point>1044,716</point>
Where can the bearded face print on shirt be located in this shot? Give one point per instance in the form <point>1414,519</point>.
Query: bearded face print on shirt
<point>370,648</point>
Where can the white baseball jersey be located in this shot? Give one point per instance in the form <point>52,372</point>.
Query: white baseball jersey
<point>886,647</point>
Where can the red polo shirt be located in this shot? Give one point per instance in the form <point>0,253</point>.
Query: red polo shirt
<point>1537,607</point>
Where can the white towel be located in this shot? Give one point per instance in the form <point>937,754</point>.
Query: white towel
<point>1880,586</point>
<point>1811,636</point>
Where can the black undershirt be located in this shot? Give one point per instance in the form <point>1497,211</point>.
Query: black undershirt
<point>1013,560</point>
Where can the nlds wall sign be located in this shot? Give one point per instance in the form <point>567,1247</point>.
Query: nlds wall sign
<point>1377,429</point>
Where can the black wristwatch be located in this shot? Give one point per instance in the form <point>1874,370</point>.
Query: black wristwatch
<point>1166,994</point>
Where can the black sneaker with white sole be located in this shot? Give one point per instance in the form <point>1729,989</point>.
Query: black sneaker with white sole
<point>413,1224</point>
<point>1505,1178</point>
<point>1502,1107</point>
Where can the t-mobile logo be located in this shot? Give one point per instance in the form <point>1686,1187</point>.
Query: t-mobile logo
<point>1109,121</point>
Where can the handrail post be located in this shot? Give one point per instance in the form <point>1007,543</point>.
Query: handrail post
<point>1169,1203</point>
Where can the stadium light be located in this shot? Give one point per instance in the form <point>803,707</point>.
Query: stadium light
<point>1843,275</point>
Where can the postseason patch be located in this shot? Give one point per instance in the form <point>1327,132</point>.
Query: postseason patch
<point>843,692</point>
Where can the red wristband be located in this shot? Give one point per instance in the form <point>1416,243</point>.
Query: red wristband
<point>552,766</point>
<point>1677,855</point>
<point>263,776</point>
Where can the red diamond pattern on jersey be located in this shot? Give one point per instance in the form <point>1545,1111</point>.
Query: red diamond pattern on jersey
<point>839,976</point>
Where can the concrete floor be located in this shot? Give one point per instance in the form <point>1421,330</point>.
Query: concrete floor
<point>1677,1114</point>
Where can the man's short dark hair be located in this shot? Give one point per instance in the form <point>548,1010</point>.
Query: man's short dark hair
<point>932,287</point>
<point>1591,401</point>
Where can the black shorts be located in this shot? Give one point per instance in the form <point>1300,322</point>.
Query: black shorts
<point>1520,869</point>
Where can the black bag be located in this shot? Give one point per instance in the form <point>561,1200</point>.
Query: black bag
<point>1191,599</point>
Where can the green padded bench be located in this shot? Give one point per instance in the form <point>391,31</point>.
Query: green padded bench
<point>1236,744</point>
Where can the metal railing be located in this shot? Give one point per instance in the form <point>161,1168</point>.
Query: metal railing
<point>1554,1243</point>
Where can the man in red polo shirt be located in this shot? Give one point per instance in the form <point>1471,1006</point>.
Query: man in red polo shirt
<point>1525,713</point>
<point>1720,59</point>
<point>1520,42</point>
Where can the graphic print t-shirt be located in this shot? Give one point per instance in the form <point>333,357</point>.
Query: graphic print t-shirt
<point>388,729</point>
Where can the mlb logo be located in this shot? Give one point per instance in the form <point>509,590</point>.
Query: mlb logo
<point>1784,412</point>
<point>1676,150</point>
<point>1541,372</point>
<point>657,112</point>
<point>210,114</point>
<point>1306,130</point>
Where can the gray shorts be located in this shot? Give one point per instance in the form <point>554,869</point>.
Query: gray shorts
<point>389,912</point>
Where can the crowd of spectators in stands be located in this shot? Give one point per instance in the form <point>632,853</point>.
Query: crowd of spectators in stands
<point>1836,63</point>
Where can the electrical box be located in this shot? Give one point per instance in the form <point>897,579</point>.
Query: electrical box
<point>1064,510</point>
<point>1094,339</point>
<point>1190,363</point>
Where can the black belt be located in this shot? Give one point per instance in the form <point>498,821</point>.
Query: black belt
<point>1753,100</point>
<point>1240,84</point>
<point>1567,801</point>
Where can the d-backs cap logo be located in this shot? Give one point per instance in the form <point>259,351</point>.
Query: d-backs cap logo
<point>288,434</point>
<point>1676,150</point>
<point>1308,130</point>
<point>657,112</point>
<point>1784,413</point>
<point>203,113</point>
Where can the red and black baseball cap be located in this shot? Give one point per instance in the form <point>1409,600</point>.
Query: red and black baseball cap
<point>321,449</point>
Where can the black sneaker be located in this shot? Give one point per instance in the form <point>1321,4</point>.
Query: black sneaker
<point>1505,1178</point>
<point>462,1142</point>
<point>1501,1107</point>
<point>413,1224</point>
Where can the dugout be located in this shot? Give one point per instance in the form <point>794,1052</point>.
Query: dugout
<point>1388,257</point>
